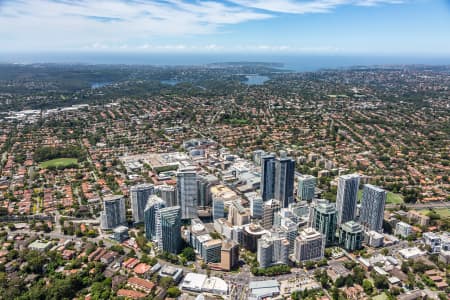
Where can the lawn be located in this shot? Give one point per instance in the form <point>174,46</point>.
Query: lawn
<point>382,296</point>
<point>58,162</point>
<point>391,198</point>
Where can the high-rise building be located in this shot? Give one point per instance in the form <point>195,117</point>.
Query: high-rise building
<point>238,215</point>
<point>152,218</point>
<point>284,180</point>
<point>114,212</point>
<point>306,187</point>
<point>324,221</point>
<point>218,210</point>
<point>170,229</point>
<point>351,236</point>
<point>372,210</point>
<point>309,245</point>
<point>229,255</point>
<point>257,155</point>
<point>251,234</point>
<point>211,251</point>
<point>273,249</point>
<point>204,184</point>
<point>290,231</point>
<point>139,196</point>
<point>347,198</point>
<point>187,192</point>
<point>268,177</point>
<point>256,207</point>
<point>168,193</point>
<point>269,209</point>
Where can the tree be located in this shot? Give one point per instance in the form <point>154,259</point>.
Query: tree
<point>310,264</point>
<point>381,282</point>
<point>166,282</point>
<point>189,253</point>
<point>367,286</point>
<point>173,292</point>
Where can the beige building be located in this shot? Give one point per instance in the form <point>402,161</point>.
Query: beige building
<point>238,215</point>
<point>416,217</point>
<point>229,255</point>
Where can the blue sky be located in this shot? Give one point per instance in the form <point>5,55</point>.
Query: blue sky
<point>415,27</point>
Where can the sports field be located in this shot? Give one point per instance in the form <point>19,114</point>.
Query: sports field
<point>58,162</point>
<point>392,198</point>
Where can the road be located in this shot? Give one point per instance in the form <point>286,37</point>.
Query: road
<point>421,205</point>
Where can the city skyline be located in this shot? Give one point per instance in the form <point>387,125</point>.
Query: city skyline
<point>381,27</point>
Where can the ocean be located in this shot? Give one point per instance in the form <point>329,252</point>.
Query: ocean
<point>294,62</point>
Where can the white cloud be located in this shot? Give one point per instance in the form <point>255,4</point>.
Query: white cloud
<point>137,24</point>
<point>311,6</point>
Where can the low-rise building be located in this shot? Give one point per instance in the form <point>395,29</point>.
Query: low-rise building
<point>413,252</point>
<point>374,239</point>
<point>40,245</point>
<point>120,233</point>
<point>199,283</point>
<point>141,284</point>
<point>169,271</point>
<point>403,229</point>
<point>263,289</point>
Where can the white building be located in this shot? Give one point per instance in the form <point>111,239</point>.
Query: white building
<point>194,282</point>
<point>256,207</point>
<point>403,229</point>
<point>306,187</point>
<point>266,289</point>
<point>374,239</point>
<point>273,249</point>
<point>413,252</point>
<point>433,240</point>
<point>309,245</point>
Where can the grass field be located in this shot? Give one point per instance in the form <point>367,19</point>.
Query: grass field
<point>382,296</point>
<point>443,212</point>
<point>391,198</point>
<point>58,162</point>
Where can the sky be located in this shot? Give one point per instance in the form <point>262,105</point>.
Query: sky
<point>391,27</point>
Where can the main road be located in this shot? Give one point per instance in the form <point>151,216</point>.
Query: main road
<point>421,205</point>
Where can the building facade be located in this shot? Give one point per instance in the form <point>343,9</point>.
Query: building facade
<point>309,245</point>
<point>403,229</point>
<point>229,255</point>
<point>351,236</point>
<point>139,195</point>
<point>187,192</point>
<point>306,187</point>
<point>372,209</point>
<point>152,218</point>
<point>218,209</point>
<point>114,212</point>
<point>268,177</point>
<point>168,193</point>
<point>269,209</point>
<point>347,198</point>
<point>284,180</point>
<point>256,207</point>
<point>324,220</point>
<point>170,233</point>
<point>273,249</point>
